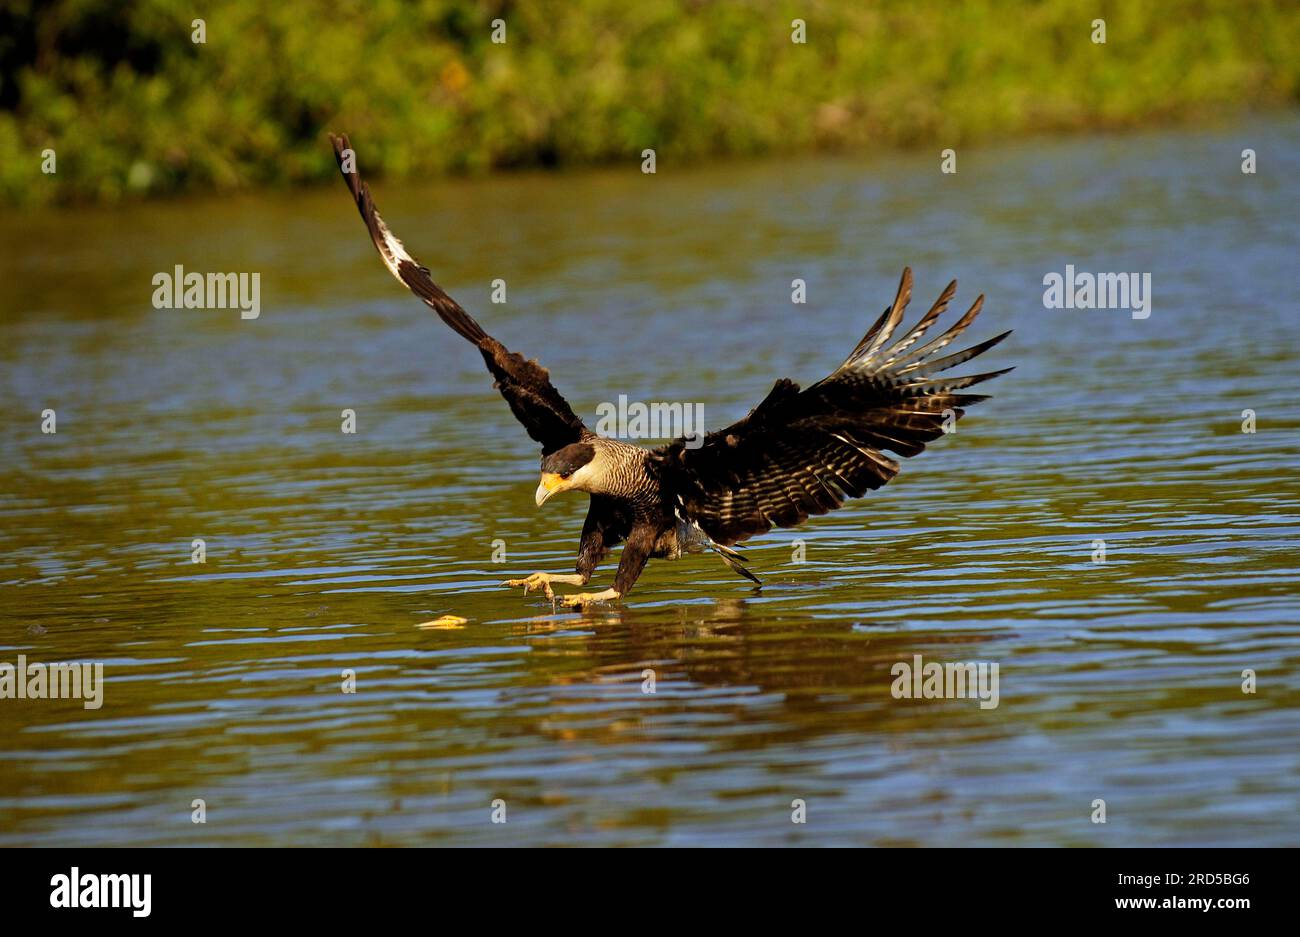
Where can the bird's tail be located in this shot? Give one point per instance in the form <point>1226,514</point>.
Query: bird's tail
<point>734,561</point>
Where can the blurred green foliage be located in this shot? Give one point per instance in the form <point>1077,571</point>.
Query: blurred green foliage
<point>131,105</point>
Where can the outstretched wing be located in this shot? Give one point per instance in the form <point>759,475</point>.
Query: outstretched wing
<point>802,452</point>
<point>525,384</point>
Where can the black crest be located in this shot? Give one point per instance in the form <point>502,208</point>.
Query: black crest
<point>568,460</point>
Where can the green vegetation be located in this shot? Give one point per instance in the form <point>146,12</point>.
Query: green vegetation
<point>131,105</point>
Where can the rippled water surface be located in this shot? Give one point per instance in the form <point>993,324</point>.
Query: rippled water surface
<point>1119,681</point>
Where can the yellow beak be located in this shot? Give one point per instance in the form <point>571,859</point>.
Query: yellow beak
<point>550,484</point>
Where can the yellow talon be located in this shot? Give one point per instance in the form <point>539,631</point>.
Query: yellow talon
<point>542,581</point>
<point>535,581</point>
<point>588,598</point>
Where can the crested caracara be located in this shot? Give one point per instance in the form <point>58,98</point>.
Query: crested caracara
<point>798,453</point>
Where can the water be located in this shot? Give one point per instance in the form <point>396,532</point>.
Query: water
<point>1119,682</point>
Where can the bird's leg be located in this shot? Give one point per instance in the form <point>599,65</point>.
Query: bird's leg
<point>543,581</point>
<point>589,598</point>
<point>635,553</point>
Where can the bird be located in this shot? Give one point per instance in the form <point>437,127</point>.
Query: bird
<point>799,452</point>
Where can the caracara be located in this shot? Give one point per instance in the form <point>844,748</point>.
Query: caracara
<point>799,452</point>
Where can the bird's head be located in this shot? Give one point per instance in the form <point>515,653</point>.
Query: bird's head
<point>569,469</point>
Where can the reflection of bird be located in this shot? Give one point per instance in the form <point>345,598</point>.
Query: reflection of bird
<point>799,452</point>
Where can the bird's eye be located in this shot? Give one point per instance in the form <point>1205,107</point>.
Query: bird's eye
<point>565,474</point>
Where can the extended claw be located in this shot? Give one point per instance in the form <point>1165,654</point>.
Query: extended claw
<point>583,599</point>
<point>542,582</point>
<point>535,581</point>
